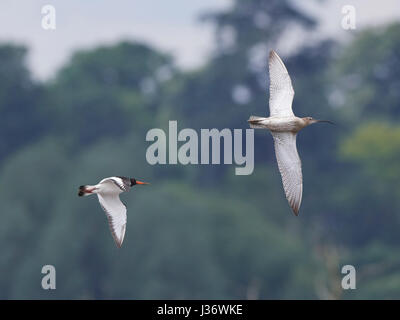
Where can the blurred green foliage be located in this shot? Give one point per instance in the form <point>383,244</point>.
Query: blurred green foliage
<point>201,231</point>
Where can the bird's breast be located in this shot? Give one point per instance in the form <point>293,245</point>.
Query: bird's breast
<point>284,124</point>
<point>108,188</point>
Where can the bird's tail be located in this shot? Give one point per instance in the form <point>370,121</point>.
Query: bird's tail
<point>85,191</point>
<point>255,122</point>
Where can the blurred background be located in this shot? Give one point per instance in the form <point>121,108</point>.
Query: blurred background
<point>76,104</point>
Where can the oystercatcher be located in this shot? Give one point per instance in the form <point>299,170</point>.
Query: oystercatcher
<point>108,191</point>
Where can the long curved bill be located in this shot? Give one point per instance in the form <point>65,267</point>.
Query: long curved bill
<point>141,182</point>
<point>327,121</point>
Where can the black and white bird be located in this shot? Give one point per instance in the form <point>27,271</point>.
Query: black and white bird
<point>108,191</point>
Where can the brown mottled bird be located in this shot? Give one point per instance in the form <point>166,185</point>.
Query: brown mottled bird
<point>108,191</point>
<point>284,126</point>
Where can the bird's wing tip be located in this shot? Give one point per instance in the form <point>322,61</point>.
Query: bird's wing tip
<point>295,208</point>
<point>118,242</point>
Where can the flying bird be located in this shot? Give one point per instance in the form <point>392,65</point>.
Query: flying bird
<point>108,191</point>
<point>284,126</point>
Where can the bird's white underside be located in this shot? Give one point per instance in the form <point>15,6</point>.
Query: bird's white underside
<point>289,164</point>
<point>108,195</point>
<point>281,91</point>
<point>280,106</point>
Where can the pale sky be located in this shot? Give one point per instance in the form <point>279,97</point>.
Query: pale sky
<point>171,26</point>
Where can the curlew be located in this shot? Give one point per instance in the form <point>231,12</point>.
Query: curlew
<point>284,126</point>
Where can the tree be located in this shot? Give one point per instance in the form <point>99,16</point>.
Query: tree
<point>21,120</point>
<point>111,91</point>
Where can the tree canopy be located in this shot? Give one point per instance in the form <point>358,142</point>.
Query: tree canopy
<point>200,231</point>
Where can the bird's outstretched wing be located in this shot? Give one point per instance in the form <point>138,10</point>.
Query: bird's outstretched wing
<point>281,91</point>
<point>290,167</point>
<point>116,215</point>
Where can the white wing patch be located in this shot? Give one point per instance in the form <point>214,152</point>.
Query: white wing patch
<point>115,182</point>
<point>290,167</point>
<point>281,91</point>
<point>116,215</point>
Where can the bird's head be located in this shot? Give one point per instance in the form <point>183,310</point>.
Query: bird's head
<point>311,120</point>
<point>134,181</point>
